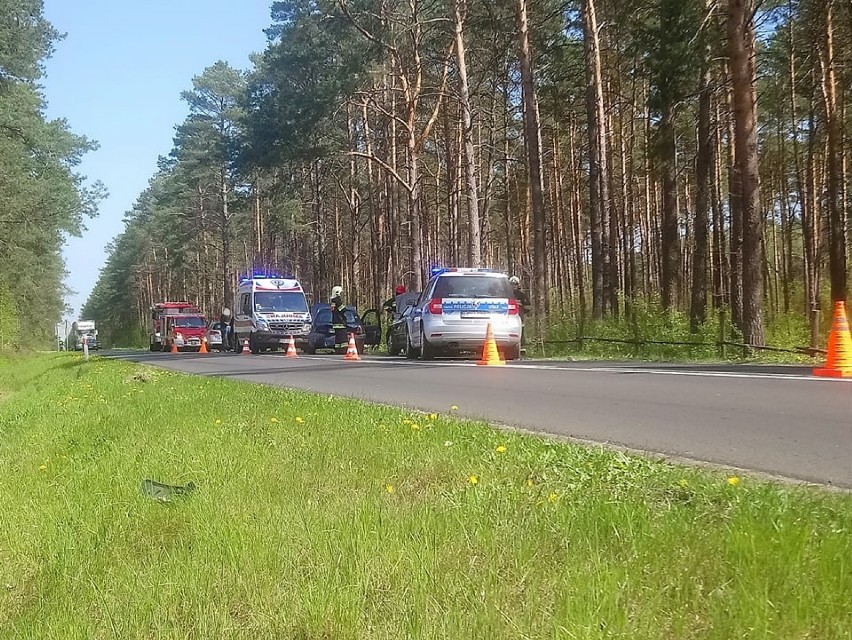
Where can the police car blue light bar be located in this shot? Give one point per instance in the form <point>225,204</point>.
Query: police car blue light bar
<point>439,270</point>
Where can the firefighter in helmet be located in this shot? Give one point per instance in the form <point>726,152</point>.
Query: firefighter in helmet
<point>390,305</point>
<point>520,295</point>
<point>226,328</point>
<point>338,318</point>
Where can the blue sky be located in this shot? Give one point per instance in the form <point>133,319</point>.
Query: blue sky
<point>117,78</point>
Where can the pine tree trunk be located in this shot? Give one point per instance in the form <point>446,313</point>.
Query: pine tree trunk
<point>532,135</point>
<point>597,159</point>
<point>226,242</point>
<point>670,237</point>
<point>741,54</point>
<point>703,166</point>
<point>475,240</point>
<point>834,162</point>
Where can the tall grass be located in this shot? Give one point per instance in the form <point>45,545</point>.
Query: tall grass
<point>321,517</point>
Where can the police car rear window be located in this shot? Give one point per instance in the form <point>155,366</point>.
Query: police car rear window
<point>472,287</point>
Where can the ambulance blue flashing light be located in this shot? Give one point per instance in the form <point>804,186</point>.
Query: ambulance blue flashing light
<point>259,275</point>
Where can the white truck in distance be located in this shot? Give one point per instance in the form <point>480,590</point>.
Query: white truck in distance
<point>84,330</point>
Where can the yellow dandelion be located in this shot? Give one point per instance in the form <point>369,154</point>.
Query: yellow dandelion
<point>733,481</point>
<point>683,483</point>
<point>501,449</point>
<point>454,408</point>
<point>553,497</point>
<point>448,443</point>
<point>273,419</point>
<point>218,421</point>
<point>473,479</point>
<point>415,426</point>
<point>42,467</point>
<point>390,488</point>
<point>529,482</point>
<point>433,416</point>
<point>299,420</point>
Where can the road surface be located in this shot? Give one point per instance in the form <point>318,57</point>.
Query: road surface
<point>778,420</point>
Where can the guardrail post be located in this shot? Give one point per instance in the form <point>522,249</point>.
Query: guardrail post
<point>815,327</point>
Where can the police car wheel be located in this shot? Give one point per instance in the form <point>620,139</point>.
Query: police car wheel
<point>427,351</point>
<point>410,351</point>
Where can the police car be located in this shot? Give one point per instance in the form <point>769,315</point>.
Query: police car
<point>454,309</point>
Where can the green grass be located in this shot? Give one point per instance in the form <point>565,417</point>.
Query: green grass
<point>317,517</point>
<point>651,325</point>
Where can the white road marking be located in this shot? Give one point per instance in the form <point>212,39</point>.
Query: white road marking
<point>633,370</point>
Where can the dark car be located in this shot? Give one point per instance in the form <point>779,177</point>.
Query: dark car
<point>371,320</point>
<point>322,333</point>
<point>398,332</point>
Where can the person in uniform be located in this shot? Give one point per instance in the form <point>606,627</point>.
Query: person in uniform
<point>338,318</point>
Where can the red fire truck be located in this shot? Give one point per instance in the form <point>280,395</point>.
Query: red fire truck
<point>176,323</point>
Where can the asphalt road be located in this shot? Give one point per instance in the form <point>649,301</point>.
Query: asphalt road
<point>778,420</point>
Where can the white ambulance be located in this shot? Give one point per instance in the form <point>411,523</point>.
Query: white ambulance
<point>268,311</point>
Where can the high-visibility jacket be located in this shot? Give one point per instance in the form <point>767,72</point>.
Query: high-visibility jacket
<point>338,313</point>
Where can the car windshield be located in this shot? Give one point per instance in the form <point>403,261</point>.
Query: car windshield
<point>280,301</point>
<point>190,323</point>
<point>472,287</point>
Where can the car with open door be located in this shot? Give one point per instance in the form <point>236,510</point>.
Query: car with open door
<point>371,320</point>
<point>321,335</point>
<point>397,335</point>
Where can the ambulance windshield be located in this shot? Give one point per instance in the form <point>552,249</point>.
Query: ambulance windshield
<point>278,301</point>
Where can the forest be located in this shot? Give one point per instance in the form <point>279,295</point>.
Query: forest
<point>682,161</point>
<point>43,198</point>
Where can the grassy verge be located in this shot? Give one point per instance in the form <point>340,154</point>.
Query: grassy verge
<point>667,337</point>
<point>319,517</point>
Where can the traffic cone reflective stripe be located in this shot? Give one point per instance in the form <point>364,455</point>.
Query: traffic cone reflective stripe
<point>203,347</point>
<point>291,349</point>
<point>351,350</point>
<point>838,362</point>
<point>246,351</point>
<point>490,354</point>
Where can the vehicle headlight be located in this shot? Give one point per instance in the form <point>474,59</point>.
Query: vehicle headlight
<point>306,328</point>
<point>262,324</point>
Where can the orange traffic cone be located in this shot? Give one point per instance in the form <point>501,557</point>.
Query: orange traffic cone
<point>838,363</point>
<point>490,355</point>
<point>291,349</point>
<point>174,347</point>
<point>203,347</point>
<point>351,350</point>
<point>246,351</point>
